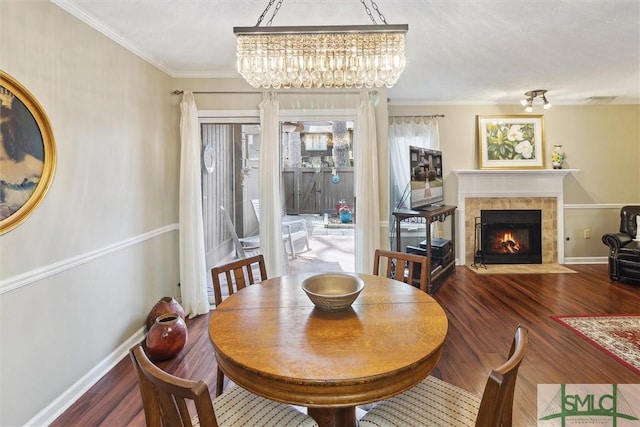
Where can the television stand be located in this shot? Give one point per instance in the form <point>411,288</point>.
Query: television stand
<point>436,273</point>
<point>429,208</point>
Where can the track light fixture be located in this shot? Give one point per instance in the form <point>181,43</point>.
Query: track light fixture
<point>527,103</point>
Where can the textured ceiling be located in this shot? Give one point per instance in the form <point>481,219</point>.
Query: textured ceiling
<point>458,51</point>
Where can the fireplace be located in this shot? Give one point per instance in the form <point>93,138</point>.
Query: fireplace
<point>511,189</point>
<point>511,236</point>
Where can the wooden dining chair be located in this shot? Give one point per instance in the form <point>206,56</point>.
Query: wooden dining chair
<point>237,275</point>
<point>165,400</point>
<point>403,267</point>
<point>434,402</point>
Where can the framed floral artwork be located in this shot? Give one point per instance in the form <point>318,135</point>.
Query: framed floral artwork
<point>511,142</point>
<point>27,153</point>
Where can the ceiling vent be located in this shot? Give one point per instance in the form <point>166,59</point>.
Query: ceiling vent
<point>600,100</point>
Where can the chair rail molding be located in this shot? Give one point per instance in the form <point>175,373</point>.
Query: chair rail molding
<point>24,279</point>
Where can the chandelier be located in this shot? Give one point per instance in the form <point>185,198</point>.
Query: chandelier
<point>527,103</point>
<point>321,56</point>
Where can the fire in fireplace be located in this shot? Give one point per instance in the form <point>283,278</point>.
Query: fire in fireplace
<point>508,243</point>
<point>511,236</point>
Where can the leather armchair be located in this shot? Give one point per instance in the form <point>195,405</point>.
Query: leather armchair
<point>624,251</point>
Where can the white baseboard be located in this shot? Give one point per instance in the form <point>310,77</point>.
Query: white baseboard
<point>585,260</point>
<point>66,399</point>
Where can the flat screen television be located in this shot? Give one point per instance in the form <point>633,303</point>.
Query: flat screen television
<point>427,184</point>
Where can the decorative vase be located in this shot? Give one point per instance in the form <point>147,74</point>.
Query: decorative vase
<point>557,157</point>
<point>167,337</point>
<point>164,306</point>
<point>345,217</point>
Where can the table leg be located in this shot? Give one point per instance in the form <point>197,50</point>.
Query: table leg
<point>334,417</point>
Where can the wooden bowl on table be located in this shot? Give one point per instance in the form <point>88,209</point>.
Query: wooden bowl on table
<point>332,291</point>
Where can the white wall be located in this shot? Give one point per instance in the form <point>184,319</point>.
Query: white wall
<point>603,142</point>
<point>79,276</point>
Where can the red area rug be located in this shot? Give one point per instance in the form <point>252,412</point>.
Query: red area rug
<point>618,335</point>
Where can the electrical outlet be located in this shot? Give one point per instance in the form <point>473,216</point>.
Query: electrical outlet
<point>587,233</point>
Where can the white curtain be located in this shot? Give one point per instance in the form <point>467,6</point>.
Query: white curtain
<point>367,185</point>
<point>270,195</point>
<point>193,282</point>
<point>404,132</point>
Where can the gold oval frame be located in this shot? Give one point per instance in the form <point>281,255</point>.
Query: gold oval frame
<point>40,117</point>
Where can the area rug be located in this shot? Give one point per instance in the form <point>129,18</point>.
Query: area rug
<point>618,335</point>
<point>521,269</point>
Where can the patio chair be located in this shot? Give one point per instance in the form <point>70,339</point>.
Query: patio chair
<point>245,246</point>
<point>292,229</point>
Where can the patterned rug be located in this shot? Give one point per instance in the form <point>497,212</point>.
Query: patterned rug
<point>617,335</point>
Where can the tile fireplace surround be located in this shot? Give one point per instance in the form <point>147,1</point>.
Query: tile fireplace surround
<point>512,189</point>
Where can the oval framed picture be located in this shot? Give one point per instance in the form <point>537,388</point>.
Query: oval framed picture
<point>27,153</point>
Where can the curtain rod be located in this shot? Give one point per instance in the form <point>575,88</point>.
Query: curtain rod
<point>286,92</point>
<point>432,116</point>
<point>180,92</point>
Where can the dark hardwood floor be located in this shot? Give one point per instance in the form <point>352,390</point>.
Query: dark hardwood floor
<point>483,312</point>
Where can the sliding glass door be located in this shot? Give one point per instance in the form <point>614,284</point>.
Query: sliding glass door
<point>317,178</point>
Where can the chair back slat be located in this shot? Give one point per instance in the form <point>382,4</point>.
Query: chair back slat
<point>390,271</point>
<point>165,396</point>
<point>173,409</point>
<point>238,275</point>
<point>398,262</point>
<point>496,407</point>
<point>229,279</point>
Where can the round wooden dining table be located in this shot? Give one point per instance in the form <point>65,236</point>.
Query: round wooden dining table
<point>270,339</point>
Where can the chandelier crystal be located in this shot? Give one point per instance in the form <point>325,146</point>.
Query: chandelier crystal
<point>321,56</point>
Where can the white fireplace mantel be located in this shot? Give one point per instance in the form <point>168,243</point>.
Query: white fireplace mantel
<point>510,183</point>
